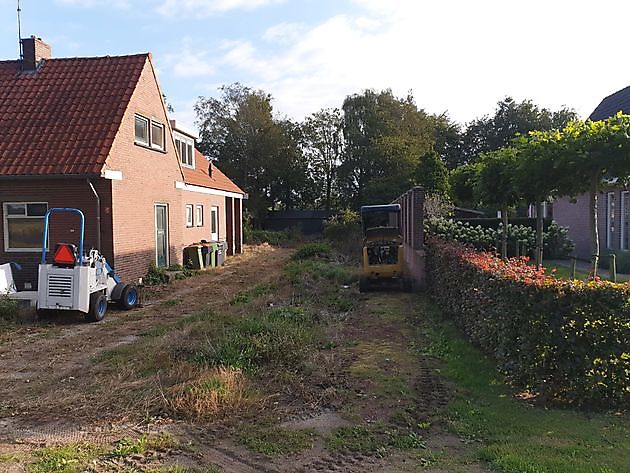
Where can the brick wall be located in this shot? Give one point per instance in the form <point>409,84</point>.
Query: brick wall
<point>63,228</point>
<point>148,178</point>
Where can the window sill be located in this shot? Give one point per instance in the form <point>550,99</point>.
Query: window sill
<point>142,145</point>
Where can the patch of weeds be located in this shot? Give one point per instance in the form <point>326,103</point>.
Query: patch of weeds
<point>241,298</point>
<point>374,439</point>
<point>514,436</point>
<point>245,297</point>
<point>258,340</point>
<point>312,250</point>
<point>278,441</point>
<point>8,458</point>
<point>171,302</point>
<point>201,316</point>
<point>299,271</point>
<point>290,313</point>
<point>117,357</point>
<point>158,330</point>
<point>210,394</point>
<point>126,447</point>
<point>64,458</point>
<point>341,303</point>
<point>8,308</point>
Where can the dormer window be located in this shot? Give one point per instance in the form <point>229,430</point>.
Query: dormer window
<point>185,149</point>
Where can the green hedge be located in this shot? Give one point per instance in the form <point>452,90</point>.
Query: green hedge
<point>562,340</point>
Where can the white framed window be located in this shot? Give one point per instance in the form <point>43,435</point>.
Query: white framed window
<point>142,130</point>
<point>625,220</point>
<point>199,215</point>
<point>185,150</point>
<point>214,223</point>
<point>157,135</point>
<point>189,215</point>
<point>610,219</point>
<point>23,225</point>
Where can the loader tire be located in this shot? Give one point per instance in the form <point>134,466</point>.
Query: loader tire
<point>98,307</point>
<point>129,297</point>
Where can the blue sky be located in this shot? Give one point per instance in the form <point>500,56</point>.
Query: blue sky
<point>458,56</point>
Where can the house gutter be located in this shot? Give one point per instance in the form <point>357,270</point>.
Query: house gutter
<point>98,214</point>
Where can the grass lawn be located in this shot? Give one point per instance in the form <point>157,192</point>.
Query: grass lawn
<point>513,436</point>
<point>564,272</point>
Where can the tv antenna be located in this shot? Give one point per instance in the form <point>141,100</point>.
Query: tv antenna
<point>19,18</point>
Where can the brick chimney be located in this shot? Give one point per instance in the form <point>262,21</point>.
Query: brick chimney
<point>33,51</point>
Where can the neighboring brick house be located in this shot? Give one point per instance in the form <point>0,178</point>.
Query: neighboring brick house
<point>613,203</point>
<point>93,133</point>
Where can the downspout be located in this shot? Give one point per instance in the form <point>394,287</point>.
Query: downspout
<point>98,215</point>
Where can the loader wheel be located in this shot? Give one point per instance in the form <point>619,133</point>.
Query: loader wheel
<point>129,297</point>
<point>98,307</point>
<point>364,284</point>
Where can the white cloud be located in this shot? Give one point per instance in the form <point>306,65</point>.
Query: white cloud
<point>190,64</point>
<point>454,55</point>
<point>200,8</point>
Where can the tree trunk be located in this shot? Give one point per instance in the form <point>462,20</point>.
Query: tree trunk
<point>504,234</point>
<point>539,234</point>
<point>594,225</point>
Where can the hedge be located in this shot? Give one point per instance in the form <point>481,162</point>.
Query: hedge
<point>561,340</point>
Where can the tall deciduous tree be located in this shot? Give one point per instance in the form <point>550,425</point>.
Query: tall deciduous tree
<point>384,138</point>
<point>323,145</point>
<point>510,119</point>
<point>260,153</point>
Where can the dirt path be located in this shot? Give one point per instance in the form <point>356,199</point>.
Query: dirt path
<point>370,401</point>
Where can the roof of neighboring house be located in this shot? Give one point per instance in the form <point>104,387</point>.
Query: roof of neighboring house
<point>617,102</point>
<point>63,118</point>
<point>200,176</point>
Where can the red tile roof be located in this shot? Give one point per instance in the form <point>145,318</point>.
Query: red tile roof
<point>200,177</point>
<point>63,118</point>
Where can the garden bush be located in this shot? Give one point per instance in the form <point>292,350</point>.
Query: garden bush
<point>556,243</point>
<point>562,340</point>
<point>269,236</point>
<point>312,250</point>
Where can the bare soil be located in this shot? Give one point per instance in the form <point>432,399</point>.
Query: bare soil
<point>60,384</point>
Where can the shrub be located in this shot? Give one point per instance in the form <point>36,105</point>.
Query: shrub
<point>564,340</point>
<point>344,226</point>
<point>556,243</point>
<point>269,236</point>
<point>8,308</point>
<point>155,276</point>
<point>312,250</point>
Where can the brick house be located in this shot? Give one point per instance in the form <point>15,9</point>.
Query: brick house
<point>613,203</point>
<point>93,133</point>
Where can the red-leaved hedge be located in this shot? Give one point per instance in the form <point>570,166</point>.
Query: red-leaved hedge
<point>562,340</point>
